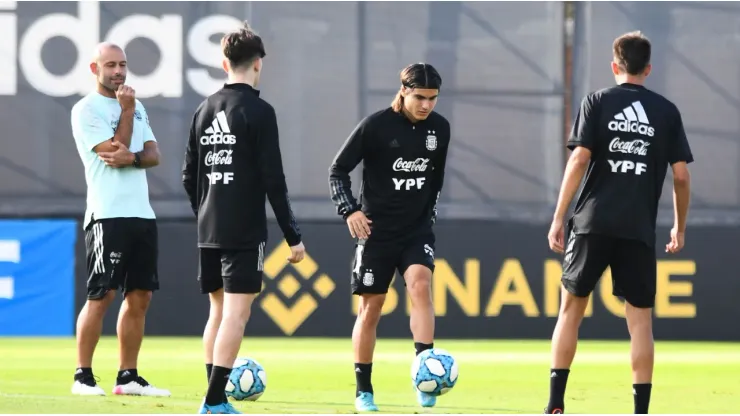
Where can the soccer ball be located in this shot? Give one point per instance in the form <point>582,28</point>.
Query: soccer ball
<point>434,372</point>
<point>247,381</point>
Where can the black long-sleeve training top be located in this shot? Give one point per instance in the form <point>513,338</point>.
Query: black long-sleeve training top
<point>403,172</point>
<point>232,163</point>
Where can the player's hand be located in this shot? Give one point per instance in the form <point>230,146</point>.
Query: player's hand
<point>121,158</point>
<point>676,243</point>
<point>556,236</point>
<point>359,225</point>
<point>126,97</point>
<point>297,252</point>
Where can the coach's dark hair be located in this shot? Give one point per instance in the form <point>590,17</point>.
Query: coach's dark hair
<point>416,76</point>
<point>241,47</point>
<point>632,52</point>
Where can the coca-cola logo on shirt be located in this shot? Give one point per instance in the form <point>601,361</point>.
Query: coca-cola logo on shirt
<point>633,147</point>
<point>418,165</point>
<point>222,157</point>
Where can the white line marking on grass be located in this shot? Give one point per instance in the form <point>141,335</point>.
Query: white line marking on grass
<point>170,401</point>
<point>728,357</point>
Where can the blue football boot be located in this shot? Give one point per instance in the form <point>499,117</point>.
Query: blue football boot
<point>365,402</point>
<point>219,409</point>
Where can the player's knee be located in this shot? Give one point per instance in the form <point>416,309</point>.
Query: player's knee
<point>573,307</point>
<point>419,283</point>
<point>420,290</point>
<point>98,303</point>
<point>639,320</point>
<point>237,306</point>
<point>137,301</point>
<point>216,311</point>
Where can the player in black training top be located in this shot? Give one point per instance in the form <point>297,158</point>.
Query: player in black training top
<point>232,162</point>
<point>624,138</point>
<point>403,149</point>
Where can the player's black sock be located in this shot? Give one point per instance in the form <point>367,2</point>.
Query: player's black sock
<point>363,373</point>
<point>126,376</point>
<point>209,370</point>
<point>642,397</point>
<point>83,373</point>
<point>217,385</point>
<point>558,380</point>
<point>421,347</point>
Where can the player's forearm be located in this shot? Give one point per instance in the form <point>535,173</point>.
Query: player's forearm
<point>681,201</point>
<point>190,185</point>
<point>125,128</point>
<point>280,203</point>
<point>149,157</point>
<point>574,171</point>
<point>340,187</point>
<point>435,201</point>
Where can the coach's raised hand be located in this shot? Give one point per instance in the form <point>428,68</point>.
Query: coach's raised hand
<point>126,97</point>
<point>359,225</point>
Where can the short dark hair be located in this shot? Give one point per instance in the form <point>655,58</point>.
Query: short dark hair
<point>632,52</point>
<point>419,75</point>
<point>241,47</point>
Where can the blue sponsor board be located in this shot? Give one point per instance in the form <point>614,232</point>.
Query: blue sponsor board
<point>37,272</point>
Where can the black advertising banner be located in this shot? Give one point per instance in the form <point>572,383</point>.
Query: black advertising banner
<point>492,280</point>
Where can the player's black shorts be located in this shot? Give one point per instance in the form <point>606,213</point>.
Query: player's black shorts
<point>121,253</point>
<point>236,271</point>
<point>633,267</point>
<point>375,262</point>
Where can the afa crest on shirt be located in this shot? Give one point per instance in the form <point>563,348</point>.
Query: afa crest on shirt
<point>431,140</point>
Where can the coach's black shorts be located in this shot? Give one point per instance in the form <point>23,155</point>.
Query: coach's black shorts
<point>121,253</point>
<point>236,271</point>
<point>633,267</point>
<point>375,262</point>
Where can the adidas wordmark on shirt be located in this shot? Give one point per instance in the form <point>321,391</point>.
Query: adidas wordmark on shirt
<point>632,119</point>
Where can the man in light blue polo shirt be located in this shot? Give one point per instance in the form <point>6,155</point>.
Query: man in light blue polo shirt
<point>116,144</point>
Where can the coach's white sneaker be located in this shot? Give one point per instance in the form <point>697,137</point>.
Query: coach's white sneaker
<point>140,387</point>
<point>87,388</point>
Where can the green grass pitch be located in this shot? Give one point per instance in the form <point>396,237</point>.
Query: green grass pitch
<point>316,376</point>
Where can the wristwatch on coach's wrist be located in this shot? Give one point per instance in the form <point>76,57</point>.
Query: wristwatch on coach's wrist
<point>137,160</point>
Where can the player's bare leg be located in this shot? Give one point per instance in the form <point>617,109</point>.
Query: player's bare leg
<point>130,329</point>
<point>564,342</point>
<point>211,330</point>
<point>89,328</point>
<point>237,308</point>
<point>364,335</point>
<point>419,285</point>
<point>642,349</point>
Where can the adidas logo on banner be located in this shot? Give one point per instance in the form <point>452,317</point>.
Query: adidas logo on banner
<point>219,131</point>
<point>632,120</point>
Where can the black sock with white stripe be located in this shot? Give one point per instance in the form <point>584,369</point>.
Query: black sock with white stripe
<point>558,381</point>
<point>126,376</point>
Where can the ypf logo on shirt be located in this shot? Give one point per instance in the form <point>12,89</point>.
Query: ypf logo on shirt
<point>410,166</point>
<point>628,147</point>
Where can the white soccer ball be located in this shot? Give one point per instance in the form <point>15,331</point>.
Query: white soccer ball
<point>247,381</point>
<point>434,372</point>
